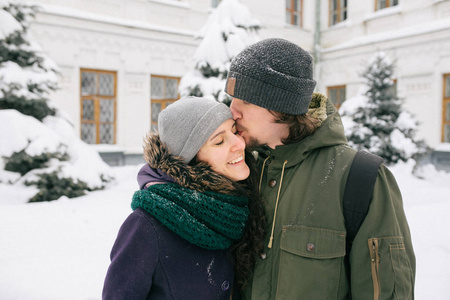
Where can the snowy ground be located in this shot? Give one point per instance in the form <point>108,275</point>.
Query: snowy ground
<point>60,250</point>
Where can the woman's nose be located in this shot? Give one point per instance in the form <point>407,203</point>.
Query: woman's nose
<point>238,143</point>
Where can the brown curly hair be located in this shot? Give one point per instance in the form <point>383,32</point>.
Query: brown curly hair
<point>299,126</point>
<point>248,249</point>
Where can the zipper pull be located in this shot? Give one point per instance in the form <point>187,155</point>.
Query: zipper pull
<point>375,261</point>
<point>374,251</point>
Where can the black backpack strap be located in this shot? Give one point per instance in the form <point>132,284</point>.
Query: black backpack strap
<point>357,195</point>
<point>358,192</point>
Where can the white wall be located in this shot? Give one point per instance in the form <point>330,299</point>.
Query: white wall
<point>137,38</point>
<point>272,15</point>
<point>77,37</point>
<point>415,35</point>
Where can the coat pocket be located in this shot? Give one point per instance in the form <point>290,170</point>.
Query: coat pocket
<point>391,268</point>
<point>311,262</point>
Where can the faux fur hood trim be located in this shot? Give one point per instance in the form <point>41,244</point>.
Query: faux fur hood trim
<point>318,107</point>
<point>199,177</point>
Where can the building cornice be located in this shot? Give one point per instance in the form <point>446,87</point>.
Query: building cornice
<point>408,32</point>
<point>93,17</point>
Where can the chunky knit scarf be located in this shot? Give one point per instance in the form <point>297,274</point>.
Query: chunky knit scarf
<point>209,220</point>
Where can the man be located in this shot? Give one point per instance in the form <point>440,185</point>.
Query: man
<point>304,163</point>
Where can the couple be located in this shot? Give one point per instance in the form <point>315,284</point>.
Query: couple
<point>200,230</point>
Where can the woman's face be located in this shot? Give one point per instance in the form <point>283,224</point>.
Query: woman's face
<point>224,152</point>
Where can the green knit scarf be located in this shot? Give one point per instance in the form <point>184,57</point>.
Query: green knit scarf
<point>209,220</point>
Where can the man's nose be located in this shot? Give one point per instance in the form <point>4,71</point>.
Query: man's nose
<point>234,107</point>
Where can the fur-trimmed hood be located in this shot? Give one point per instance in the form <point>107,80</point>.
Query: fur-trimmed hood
<point>318,107</point>
<point>329,133</point>
<point>199,177</point>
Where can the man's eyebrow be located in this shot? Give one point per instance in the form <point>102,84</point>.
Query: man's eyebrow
<point>214,136</point>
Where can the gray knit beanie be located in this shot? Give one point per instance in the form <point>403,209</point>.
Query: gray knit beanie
<point>186,124</point>
<point>275,74</point>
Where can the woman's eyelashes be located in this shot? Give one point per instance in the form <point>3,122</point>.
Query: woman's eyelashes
<point>233,130</point>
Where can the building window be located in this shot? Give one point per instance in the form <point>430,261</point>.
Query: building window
<point>336,94</point>
<point>215,3</point>
<point>446,110</point>
<point>294,12</point>
<point>338,11</point>
<point>380,4</point>
<point>392,91</point>
<point>98,106</point>
<point>164,91</point>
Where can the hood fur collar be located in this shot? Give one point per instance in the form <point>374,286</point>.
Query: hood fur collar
<point>318,107</point>
<point>199,177</point>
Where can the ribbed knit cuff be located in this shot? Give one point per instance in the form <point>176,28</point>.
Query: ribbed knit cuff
<point>269,96</point>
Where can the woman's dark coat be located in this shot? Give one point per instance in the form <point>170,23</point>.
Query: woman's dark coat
<point>149,261</point>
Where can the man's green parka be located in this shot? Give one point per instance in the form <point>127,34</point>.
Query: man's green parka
<point>306,258</point>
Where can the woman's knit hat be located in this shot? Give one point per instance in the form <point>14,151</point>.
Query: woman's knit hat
<point>275,74</point>
<point>186,125</point>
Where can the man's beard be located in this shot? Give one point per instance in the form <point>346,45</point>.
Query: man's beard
<point>253,144</point>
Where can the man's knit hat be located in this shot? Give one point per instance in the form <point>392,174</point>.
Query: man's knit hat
<point>186,124</point>
<point>275,74</point>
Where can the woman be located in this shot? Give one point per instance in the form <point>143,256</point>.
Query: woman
<point>197,221</point>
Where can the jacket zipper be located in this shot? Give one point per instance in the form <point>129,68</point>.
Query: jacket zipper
<point>375,262</point>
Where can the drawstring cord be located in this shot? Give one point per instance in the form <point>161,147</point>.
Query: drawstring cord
<point>262,172</point>
<point>276,205</point>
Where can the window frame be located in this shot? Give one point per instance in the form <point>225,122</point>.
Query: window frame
<point>215,3</point>
<point>394,88</point>
<point>339,89</point>
<point>293,12</point>
<point>339,12</point>
<point>163,101</point>
<point>445,102</point>
<point>96,98</point>
<point>389,3</point>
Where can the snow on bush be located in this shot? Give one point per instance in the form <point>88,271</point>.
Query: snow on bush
<point>40,155</point>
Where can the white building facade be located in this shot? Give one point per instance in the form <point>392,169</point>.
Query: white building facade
<point>121,60</point>
<point>415,34</point>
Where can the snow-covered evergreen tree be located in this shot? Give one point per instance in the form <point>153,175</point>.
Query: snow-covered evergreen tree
<point>30,76</point>
<point>40,156</point>
<point>376,121</point>
<point>229,29</point>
